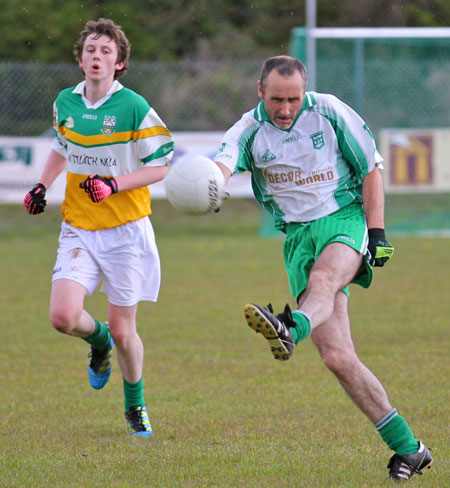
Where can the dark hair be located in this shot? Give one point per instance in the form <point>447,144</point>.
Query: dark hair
<point>108,28</point>
<point>285,65</point>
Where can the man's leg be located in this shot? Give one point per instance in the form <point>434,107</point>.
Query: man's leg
<point>130,356</point>
<point>336,266</point>
<point>335,345</point>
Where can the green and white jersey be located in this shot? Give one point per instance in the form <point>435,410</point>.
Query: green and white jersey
<point>117,135</point>
<point>311,169</point>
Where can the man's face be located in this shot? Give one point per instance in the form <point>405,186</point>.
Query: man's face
<point>99,58</point>
<point>283,97</point>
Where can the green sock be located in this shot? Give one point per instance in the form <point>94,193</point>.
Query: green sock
<point>100,338</point>
<point>303,327</point>
<point>395,432</point>
<point>134,394</point>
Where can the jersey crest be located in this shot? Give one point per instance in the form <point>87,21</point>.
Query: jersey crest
<point>109,125</point>
<point>318,140</point>
<point>69,123</point>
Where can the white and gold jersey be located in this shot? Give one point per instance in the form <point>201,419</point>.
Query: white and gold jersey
<point>309,170</point>
<point>117,135</point>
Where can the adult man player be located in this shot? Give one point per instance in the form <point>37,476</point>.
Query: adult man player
<point>315,168</point>
<point>101,127</point>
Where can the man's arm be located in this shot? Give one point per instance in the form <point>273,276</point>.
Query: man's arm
<point>226,171</point>
<point>373,200</point>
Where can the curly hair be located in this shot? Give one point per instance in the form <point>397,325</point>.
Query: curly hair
<point>108,28</point>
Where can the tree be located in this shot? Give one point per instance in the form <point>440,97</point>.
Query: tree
<point>179,29</point>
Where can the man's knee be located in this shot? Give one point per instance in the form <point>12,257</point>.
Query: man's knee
<point>340,362</point>
<point>322,279</point>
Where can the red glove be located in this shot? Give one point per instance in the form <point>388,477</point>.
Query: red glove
<point>98,188</point>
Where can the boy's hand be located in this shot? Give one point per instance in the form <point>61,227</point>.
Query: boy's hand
<point>98,188</point>
<point>34,200</point>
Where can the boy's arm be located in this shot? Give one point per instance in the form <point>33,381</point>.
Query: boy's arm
<point>143,177</point>
<point>34,200</point>
<point>99,187</point>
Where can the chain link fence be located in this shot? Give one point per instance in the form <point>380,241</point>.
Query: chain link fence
<point>189,96</point>
<point>389,84</point>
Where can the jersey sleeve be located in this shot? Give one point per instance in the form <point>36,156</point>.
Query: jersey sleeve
<point>355,140</point>
<point>58,143</point>
<point>235,149</point>
<point>155,145</point>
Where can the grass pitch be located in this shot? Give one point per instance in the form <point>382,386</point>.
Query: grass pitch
<point>224,412</point>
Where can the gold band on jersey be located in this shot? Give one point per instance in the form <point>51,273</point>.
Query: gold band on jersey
<point>118,209</point>
<point>117,137</point>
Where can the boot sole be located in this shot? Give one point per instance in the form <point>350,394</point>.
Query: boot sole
<point>260,323</point>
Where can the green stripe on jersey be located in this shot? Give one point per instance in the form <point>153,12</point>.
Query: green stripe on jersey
<point>349,145</point>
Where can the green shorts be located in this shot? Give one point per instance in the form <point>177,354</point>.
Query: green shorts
<point>305,242</point>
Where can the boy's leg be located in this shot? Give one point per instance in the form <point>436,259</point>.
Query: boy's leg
<point>130,356</point>
<point>67,314</point>
<point>69,317</point>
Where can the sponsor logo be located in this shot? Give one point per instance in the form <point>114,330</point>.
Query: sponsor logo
<point>221,154</point>
<point>346,238</point>
<point>290,139</point>
<point>85,160</point>
<point>411,159</point>
<point>109,125</point>
<point>16,154</point>
<point>90,116</point>
<point>285,178</point>
<point>268,156</point>
<point>69,123</point>
<point>318,140</point>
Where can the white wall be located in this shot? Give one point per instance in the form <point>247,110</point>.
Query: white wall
<point>23,158</point>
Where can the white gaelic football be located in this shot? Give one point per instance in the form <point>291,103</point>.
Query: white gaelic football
<point>195,185</point>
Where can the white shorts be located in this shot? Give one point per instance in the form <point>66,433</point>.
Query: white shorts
<point>125,258</point>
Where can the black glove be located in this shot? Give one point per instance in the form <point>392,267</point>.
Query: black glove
<point>379,247</point>
<point>98,187</point>
<point>34,200</point>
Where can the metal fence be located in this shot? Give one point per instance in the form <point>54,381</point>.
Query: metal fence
<point>391,84</point>
<point>189,96</point>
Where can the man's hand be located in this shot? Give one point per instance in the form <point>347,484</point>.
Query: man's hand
<point>98,188</point>
<point>380,248</point>
<point>220,199</point>
<point>34,200</point>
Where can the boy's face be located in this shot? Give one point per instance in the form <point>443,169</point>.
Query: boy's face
<point>99,58</point>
